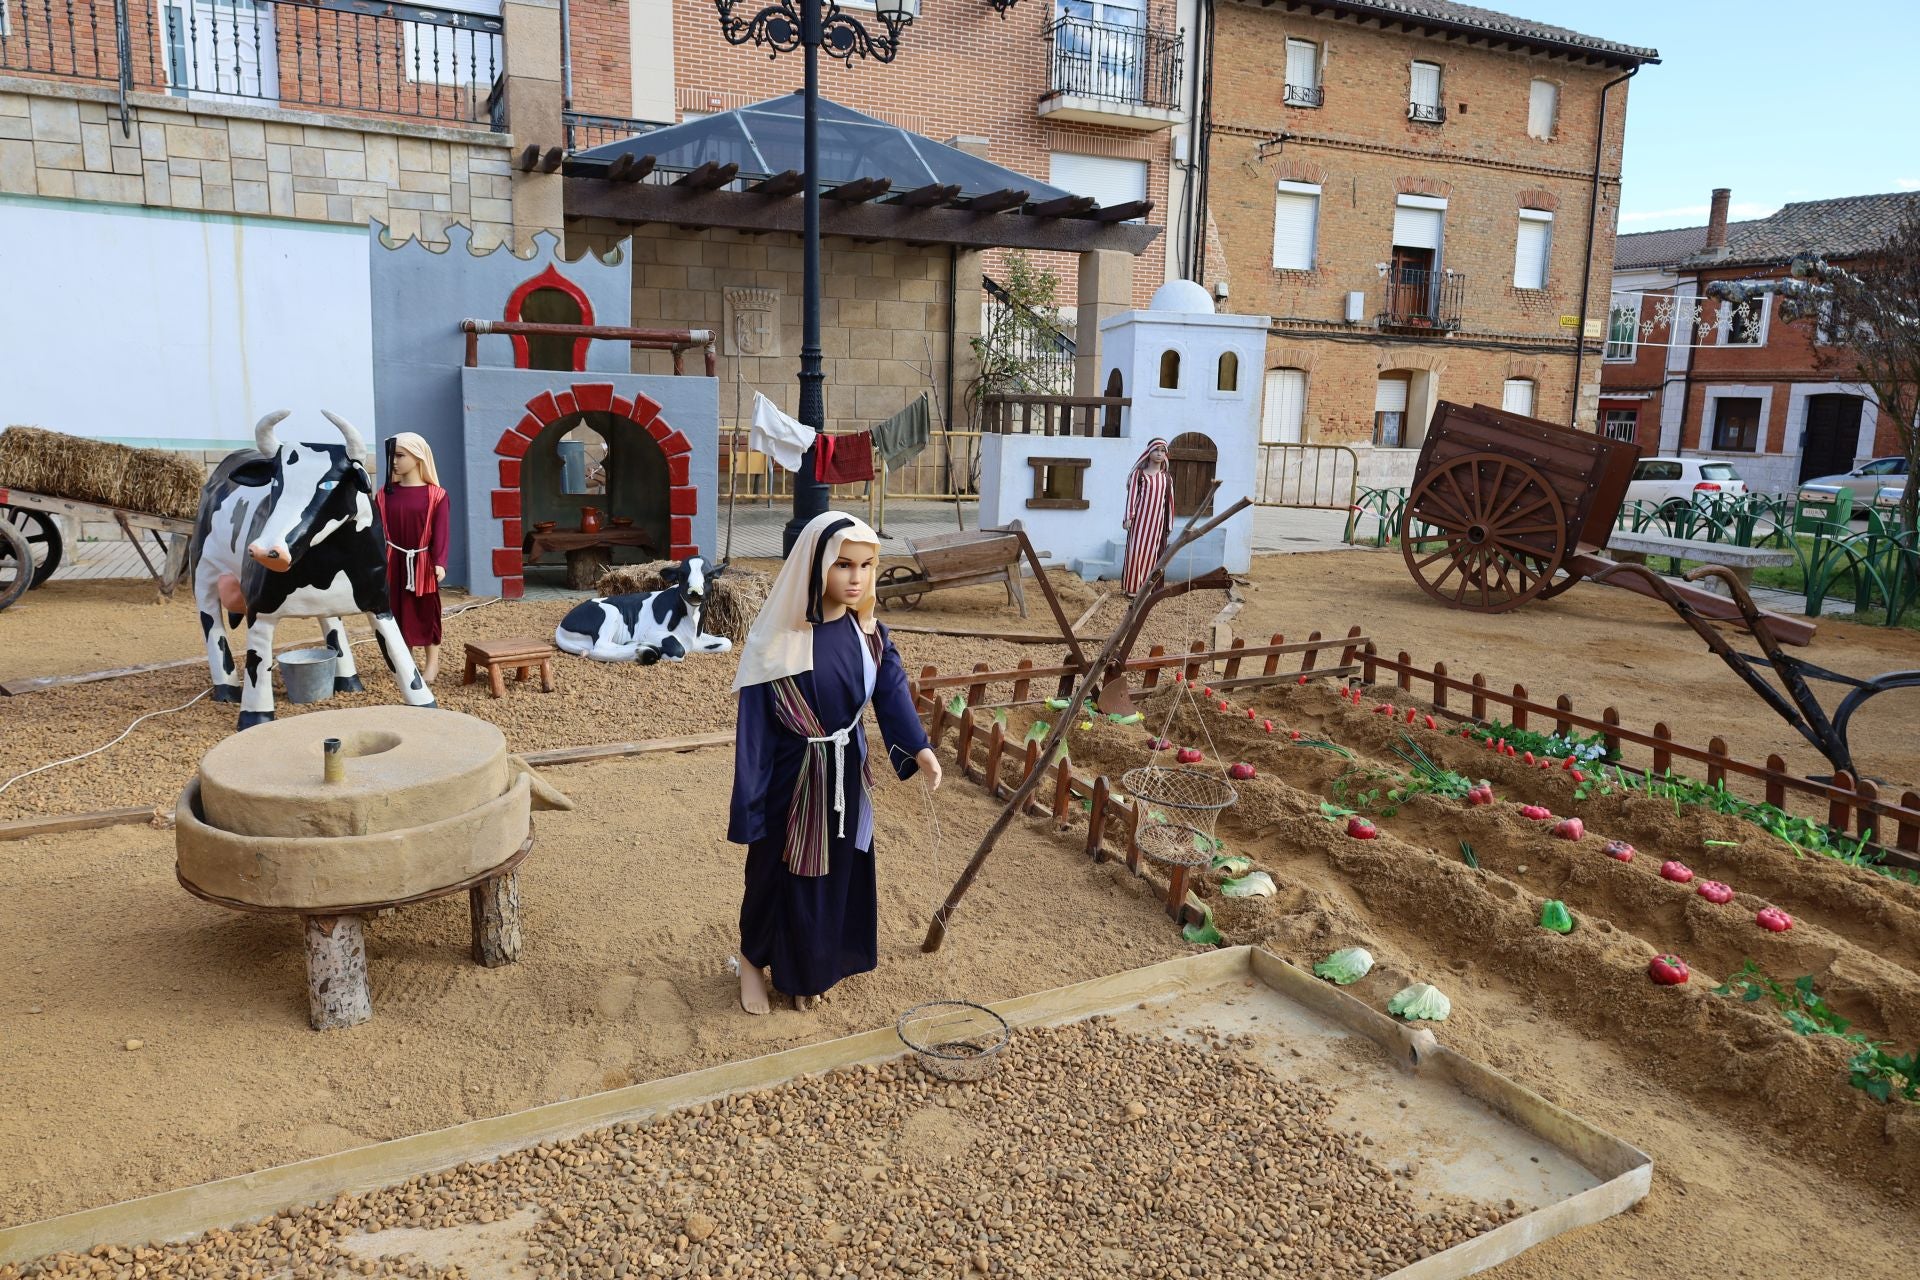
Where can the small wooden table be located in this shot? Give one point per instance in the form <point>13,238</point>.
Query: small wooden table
<point>589,555</point>
<point>518,652</point>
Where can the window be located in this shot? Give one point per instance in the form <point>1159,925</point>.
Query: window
<point>1170,369</point>
<point>1655,469</point>
<point>1718,471</point>
<point>1296,226</point>
<point>1227,377</point>
<point>1059,484</point>
<point>1885,467</point>
<point>453,55</point>
<point>1623,329</point>
<point>1423,94</point>
<point>1543,108</point>
<point>1303,74</point>
<point>1516,396</point>
<point>1744,324</point>
<point>1109,180</point>
<point>1283,414</point>
<point>1620,424</point>
<point>1530,245</point>
<point>1736,424</point>
<point>1390,412</point>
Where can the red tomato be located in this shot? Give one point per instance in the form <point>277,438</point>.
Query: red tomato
<point>1667,971</point>
<point>1773,920</point>
<point>1714,891</point>
<point>1678,872</point>
<point>1360,829</point>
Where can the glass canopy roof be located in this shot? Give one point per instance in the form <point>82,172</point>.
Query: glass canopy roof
<point>765,139</point>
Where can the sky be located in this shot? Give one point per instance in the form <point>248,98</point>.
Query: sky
<point>1778,101</point>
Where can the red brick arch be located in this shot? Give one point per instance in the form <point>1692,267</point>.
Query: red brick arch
<point>550,407</point>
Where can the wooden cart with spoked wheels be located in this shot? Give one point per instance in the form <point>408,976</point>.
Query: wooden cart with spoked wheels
<point>31,546</point>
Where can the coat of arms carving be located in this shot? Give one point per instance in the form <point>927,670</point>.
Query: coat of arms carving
<point>752,322</point>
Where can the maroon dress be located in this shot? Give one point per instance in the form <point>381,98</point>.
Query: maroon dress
<point>404,510</point>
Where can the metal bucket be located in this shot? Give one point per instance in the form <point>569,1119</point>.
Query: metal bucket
<point>307,674</point>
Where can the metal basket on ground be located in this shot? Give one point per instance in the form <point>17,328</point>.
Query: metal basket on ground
<point>1182,807</point>
<point>954,1040</point>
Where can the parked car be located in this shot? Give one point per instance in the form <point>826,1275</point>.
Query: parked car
<point>1867,479</point>
<point>1671,483</point>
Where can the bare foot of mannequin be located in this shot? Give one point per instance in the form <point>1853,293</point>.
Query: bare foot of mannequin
<point>753,987</point>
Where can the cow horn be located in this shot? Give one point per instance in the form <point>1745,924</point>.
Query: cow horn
<point>263,431</point>
<point>356,446</point>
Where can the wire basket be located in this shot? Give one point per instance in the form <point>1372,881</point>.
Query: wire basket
<point>954,1040</point>
<point>1174,844</point>
<point>1182,806</point>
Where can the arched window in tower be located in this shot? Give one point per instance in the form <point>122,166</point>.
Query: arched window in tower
<point>1170,369</point>
<point>1229,373</point>
<point>549,298</point>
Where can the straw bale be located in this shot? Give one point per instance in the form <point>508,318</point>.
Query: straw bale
<point>115,475</point>
<point>733,598</point>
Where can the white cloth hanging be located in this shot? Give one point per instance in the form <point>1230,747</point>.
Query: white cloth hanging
<point>784,439</point>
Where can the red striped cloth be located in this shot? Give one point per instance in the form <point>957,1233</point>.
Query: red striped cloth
<point>816,789</point>
<point>1149,519</point>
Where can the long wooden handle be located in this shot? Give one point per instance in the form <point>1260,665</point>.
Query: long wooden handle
<point>937,928</point>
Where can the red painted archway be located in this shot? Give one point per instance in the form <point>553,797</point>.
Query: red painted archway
<point>550,407</point>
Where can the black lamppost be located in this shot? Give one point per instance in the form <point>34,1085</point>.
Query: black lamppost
<point>813,25</point>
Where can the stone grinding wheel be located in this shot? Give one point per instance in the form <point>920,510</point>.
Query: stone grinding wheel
<point>427,802</point>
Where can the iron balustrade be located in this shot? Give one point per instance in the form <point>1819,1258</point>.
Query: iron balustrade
<point>1024,349</point>
<point>586,131</point>
<point>1139,66</point>
<point>1304,95</point>
<point>1427,113</point>
<point>349,56</point>
<point>1422,300</point>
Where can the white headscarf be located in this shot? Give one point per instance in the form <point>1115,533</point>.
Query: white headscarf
<point>781,640</point>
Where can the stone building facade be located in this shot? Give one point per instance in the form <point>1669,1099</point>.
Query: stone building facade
<point>1413,196</point>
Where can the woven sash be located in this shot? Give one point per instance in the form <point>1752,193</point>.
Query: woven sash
<point>806,851</point>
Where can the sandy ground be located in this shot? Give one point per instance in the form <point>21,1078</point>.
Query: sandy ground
<point>1763,1154</point>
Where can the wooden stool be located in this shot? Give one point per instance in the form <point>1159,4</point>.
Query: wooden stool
<point>517,652</point>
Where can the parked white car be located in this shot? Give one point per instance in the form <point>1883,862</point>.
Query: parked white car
<point>1866,481</point>
<point>1674,482</point>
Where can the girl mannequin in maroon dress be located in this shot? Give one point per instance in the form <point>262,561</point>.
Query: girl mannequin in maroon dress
<point>413,511</point>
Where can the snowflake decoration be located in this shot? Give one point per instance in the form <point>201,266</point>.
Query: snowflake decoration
<point>1678,315</point>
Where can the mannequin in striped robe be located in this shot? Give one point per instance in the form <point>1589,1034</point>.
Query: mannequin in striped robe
<point>1149,514</point>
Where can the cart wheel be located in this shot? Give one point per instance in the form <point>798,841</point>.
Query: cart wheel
<point>898,575</point>
<point>1496,534</point>
<point>42,533</point>
<point>16,564</point>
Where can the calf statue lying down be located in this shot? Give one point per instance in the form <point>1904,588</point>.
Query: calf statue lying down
<point>645,626</point>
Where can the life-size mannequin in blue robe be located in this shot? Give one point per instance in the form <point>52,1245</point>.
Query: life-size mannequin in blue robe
<point>815,930</point>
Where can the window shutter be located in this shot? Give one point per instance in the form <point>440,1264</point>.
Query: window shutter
<point>1417,221</point>
<point>1296,217</point>
<point>1109,180</point>
<point>1425,89</point>
<point>1517,396</point>
<point>1303,64</point>
<point>1530,249</point>
<point>1285,411</point>
<point>1390,395</point>
<point>1543,103</point>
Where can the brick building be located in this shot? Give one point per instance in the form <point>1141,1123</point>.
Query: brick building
<point>1423,195</point>
<point>1686,374</point>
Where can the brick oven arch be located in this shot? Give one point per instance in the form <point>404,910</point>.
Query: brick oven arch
<point>565,408</point>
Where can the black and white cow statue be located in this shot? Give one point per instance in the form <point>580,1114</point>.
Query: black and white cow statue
<point>645,625</point>
<point>291,531</point>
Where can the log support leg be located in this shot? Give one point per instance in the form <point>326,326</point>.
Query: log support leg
<point>495,906</point>
<point>337,992</point>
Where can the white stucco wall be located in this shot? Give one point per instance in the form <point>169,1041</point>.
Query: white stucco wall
<point>178,330</point>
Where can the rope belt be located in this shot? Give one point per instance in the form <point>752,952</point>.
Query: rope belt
<point>839,739</point>
<point>410,553</point>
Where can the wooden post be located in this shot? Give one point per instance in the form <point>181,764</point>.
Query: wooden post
<point>1311,656</point>
<point>1907,835</point>
<point>337,992</point>
<point>1479,697</point>
<point>1272,664</point>
<point>1177,890</point>
<point>977,693</point>
<point>1562,725</point>
<point>963,745</point>
<point>1368,665</point>
<point>928,674</point>
<point>1439,686</point>
<point>1716,757</point>
<point>1347,654</point>
<point>1776,787</point>
<point>1192,669</point>
<point>1150,678</point>
<point>1032,766</point>
<point>1837,809</point>
<point>1062,791</point>
<point>996,746</point>
<point>1097,820</point>
<point>1403,678</point>
<point>1233,664</point>
<point>1136,812</point>
<point>495,907</point>
<point>1021,685</point>
<point>1864,817</point>
<point>1611,718</point>
<point>1662,758</point>
<point>1519,718</point>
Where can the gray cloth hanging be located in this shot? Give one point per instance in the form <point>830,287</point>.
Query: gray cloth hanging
<point>900,438</point>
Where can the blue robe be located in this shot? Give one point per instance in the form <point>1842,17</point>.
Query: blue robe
<point>815,930</point>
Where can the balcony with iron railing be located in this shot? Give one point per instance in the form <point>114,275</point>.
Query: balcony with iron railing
<point>1109,73</point>
<point>349,57</point>
<point>1426,113</point>
<point>1303,95</point>
<point>1422,301</point>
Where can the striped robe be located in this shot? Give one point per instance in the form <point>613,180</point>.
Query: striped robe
<point>1150,520</point>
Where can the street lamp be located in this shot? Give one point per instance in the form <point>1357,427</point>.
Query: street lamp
<point>813,25</point>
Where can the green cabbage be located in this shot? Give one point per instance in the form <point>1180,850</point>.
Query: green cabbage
<point>1256,885</point>
<point>1232,863</point>
<point>1345,966</point>
<point>1421,1001</point>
